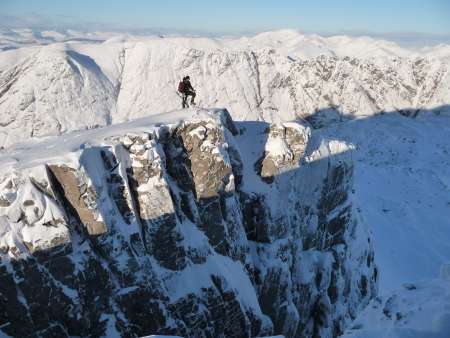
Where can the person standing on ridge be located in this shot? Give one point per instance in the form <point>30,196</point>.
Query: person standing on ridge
<point>186,89</point>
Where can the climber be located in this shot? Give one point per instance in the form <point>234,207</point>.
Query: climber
<point>186,89</point>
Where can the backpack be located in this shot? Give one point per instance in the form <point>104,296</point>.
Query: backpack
<point>181,87</point>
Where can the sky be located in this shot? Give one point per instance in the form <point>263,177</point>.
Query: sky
<point>430,17</point>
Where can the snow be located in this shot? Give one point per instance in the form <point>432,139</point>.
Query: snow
<point>40,234</point>
<point>57,82</point>
<point>251,145</point>
<point>402,165</point>
<point>3,335</point>
<point>195,277</point>
<point>292,42</point>
<point>25,206</point>
<point>277,146</point>
<point>68,146</point>
<point>329,148</point>
<point>419,310</point>
<point>402,192</point>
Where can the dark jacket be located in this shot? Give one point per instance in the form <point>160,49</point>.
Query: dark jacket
<point>188,87</point>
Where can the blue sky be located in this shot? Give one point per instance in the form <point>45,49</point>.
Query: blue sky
<point>425,16</point>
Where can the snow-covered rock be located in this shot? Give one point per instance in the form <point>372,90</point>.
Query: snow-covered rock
<point>285,146</point>
<point>166,226</point>
<point>30,215</point>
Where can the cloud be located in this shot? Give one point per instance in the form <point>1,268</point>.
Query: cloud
<point>407,39</point>
<point>38,22</point>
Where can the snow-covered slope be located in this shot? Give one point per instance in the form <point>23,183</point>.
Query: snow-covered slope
<point>417,310</point>
<point>402,189</point>
<point>275,76</point>
<point>50,91</point>
<point>402,193</point>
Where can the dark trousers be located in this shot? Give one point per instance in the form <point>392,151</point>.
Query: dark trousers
<point>185,98</point>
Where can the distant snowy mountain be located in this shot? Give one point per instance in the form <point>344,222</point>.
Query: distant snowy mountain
<point>21,37</point>
<point>274,76</point>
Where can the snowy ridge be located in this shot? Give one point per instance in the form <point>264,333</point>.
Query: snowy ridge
<point>34,153</point>
<point>275,76</point>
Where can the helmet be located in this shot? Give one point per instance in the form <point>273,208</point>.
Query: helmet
<point>187,77</point>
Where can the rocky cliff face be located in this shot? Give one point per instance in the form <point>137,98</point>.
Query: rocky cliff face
<point>203,228</point>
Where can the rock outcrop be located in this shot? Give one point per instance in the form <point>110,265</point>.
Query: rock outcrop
<point>186,229</point>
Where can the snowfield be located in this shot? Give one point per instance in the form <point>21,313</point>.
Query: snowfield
<point>416,310</point>
<point>402,191</point>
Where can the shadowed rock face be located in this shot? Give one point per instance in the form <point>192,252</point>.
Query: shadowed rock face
<point>160,232</point>
<point>80,196</point>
